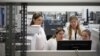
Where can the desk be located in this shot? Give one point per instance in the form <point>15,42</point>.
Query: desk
<point>51,52</point>
<point>59,53</point>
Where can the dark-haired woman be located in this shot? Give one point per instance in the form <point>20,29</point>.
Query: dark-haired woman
<point>58,36</point>
<point>86,34</point>
<point>39,40</point>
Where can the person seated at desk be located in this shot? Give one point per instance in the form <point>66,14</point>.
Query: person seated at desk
<point>58,35</point>
<point>86,34</point>
<point>73,29</point>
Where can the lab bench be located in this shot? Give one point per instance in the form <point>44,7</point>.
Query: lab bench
<point>59,53</point>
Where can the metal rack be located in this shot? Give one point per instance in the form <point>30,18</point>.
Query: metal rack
<point>10,32</point>
<point>23,28</point>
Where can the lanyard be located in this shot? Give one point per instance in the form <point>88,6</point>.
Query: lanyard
<point>75,35</point>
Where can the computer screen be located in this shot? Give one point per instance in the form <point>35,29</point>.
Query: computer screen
<point>74,45</point>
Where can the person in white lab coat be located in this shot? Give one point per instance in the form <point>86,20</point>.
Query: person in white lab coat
<point>39,41</point>
<point>58,36</point>
<point>73,29</point>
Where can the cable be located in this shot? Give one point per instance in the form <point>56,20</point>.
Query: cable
<point>76,52</point>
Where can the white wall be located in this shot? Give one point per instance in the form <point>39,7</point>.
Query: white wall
<point>63,8</point>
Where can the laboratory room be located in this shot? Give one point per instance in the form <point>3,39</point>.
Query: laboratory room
<point>49,28</point>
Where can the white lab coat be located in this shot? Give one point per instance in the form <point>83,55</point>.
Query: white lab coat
<point>52,44</point>
<point>78,37</point>
<point>38,41</point>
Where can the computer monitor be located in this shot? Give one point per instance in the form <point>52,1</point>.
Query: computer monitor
<point>74,45</point>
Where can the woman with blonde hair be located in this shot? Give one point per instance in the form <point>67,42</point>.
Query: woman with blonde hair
<point>73,29</point>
